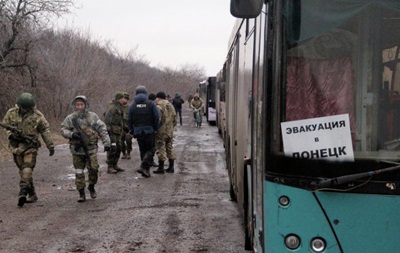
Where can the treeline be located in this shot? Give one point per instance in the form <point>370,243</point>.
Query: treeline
<point>57,65</point>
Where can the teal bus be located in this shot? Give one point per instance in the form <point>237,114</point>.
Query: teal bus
<point>312,124</point>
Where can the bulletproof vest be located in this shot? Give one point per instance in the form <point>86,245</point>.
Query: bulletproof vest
<point>143,115</point>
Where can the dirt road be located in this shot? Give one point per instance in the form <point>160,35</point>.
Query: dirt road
<point>188,211</point>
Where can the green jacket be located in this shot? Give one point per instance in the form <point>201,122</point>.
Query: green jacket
<point>167,119</point>
<point>31,124</point>
<point>114,118</point>
<point>125,109</point>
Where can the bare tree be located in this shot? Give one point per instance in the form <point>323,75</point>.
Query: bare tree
<point>19,22</point>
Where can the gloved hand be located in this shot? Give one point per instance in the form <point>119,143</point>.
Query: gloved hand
<point>76,136</point>
<point>14,137</point>
<point>113,146</point>
<point>51,151</point>
<point>106,148</point>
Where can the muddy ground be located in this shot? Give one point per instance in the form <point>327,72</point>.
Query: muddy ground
<point>188,211</point>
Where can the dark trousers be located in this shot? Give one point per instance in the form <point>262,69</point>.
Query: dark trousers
<point>179,114</point>
<point>146,148</point>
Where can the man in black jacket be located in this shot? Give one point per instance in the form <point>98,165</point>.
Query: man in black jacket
<point>177,103</point>
<point>143,120</point>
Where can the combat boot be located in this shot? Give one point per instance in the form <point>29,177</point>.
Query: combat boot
<point>82,196</point>
<point>140,170</point>
<point>124,156</point>
<point>92,191</point>
<point>32,197</point>
<point>160,169</point>
<point>146,172</point>
<point>170,166</point>
<point>111,170</point>
<point>22,196</point>
<point>118,169</point>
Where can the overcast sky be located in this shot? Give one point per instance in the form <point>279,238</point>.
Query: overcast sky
<point>170,33</point>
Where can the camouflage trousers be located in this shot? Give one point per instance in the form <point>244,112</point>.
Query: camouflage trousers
<point>81,162</point>
<point>126,143</point>
<point>164,148</point>
<point>26,162</point>
<point>114,154</point>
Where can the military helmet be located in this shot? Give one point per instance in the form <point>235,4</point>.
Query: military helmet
<point>26,101</point>
<point>119,95</point>
<point>141,90</point>
<point>126,95</point>
<point>80,97</point>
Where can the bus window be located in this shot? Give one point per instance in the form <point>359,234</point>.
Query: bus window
<point>343,59</point>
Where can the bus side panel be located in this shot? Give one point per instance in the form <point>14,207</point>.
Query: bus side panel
<point>303,217</point>
<point>258,133</point>
<point>231,81</point>
<point>211,114</point>
<point>211,99</point>
<point>363,222</point>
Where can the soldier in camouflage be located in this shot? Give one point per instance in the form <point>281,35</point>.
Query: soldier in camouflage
<point>114,120</point>
<point>82,128</point>
<point>197,104</point>
<point>165,134</point>
<point>126,143</point>
<point>30,122</point>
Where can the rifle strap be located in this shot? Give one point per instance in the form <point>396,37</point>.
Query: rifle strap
<point>88,121</point>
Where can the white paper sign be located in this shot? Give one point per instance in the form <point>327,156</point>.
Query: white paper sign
<point>318,138</point>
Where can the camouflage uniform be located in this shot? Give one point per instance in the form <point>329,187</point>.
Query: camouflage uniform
<point>114,120</point>
<point>126,143</point>
<point>30,122</point>
<point>89,124</point>
<point>165,134</point>
<point>197,103</point>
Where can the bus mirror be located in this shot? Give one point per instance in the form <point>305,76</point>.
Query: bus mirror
<point>246,8</point>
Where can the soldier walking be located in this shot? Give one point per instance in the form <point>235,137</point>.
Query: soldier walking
<point>114,120</point>
<point>82,128</point>
<point>143,120</point>
<point>24,123</point>
<point>165,134</point>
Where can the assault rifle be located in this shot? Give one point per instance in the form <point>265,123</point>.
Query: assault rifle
<point>83,140</point>
<point>18,132</point>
